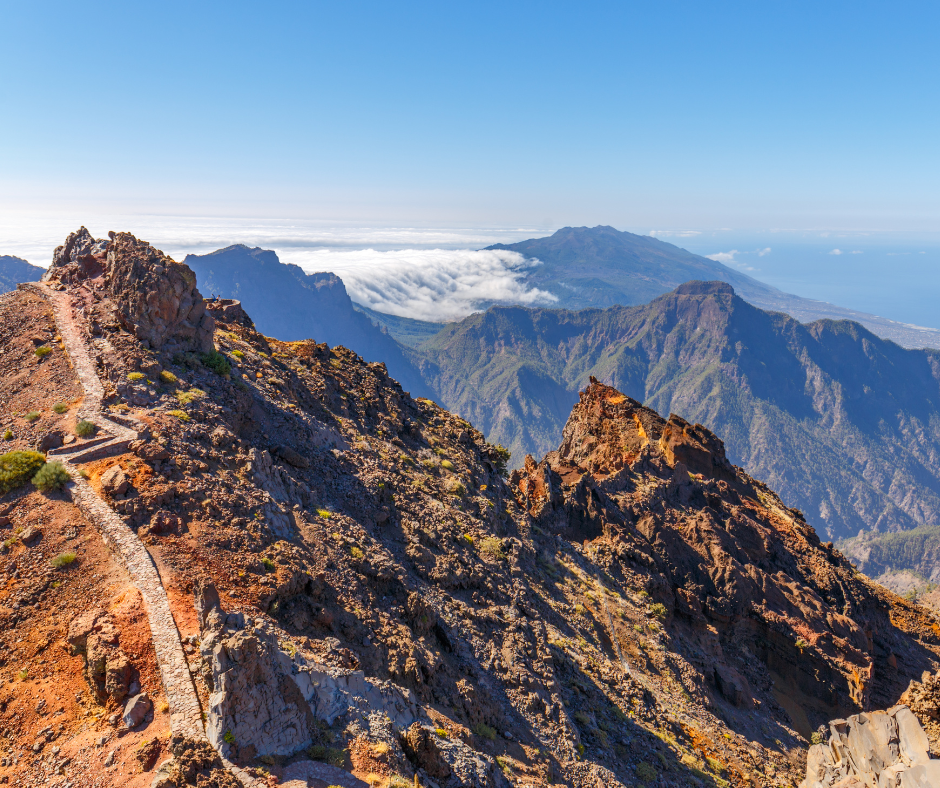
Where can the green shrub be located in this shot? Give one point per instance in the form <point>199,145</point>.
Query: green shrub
<point>168,377</point>
<point>447,465</point>
<point>23,674</point>
<point>485,731</point>
<point>645,772</point>
<point>502,458</point>
<point>60,407</point>
<point>182,415</point>
<point>32,416</point>
<point>324,513</point>
<point>84,428</point>
<point>356,553</point>
<point>17,468</point>
<point>659,610</point>
<point>42,351</point>
<point>491,547</point>
<point>187,397</point>
<point>238,354</point>
<point>135,376</point>
<point>229,737</point>
<point>216,362</point>
<point>63,560</point>
<point>268,564</point>
<point>51,476</point>
<point>8,435</point>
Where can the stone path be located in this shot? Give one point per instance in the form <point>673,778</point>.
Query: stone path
<point>113,438</point>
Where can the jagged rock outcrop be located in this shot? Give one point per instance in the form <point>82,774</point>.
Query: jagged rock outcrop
<point>153,297</point>
<point>724,556</point>
<point>879,749</point>
<point>107,668</point>
<point>923,697</point>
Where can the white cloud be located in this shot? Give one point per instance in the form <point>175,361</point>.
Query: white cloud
<point>724,257</point>
<point>429,284</point>
<point>859,251</point>
<point>836,251</point>
<point>675,233</point>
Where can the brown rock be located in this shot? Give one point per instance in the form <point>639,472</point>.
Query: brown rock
<point>114,481</point>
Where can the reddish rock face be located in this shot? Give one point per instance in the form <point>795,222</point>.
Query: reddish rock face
<point>724,558</point>
<point>153,297</point>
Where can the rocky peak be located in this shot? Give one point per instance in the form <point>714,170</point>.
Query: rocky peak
<point>608,430</point>
<point>704,288</point>
<point>153,297</point>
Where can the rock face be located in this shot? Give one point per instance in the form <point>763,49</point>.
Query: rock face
<point>154,297</point>
<point>878,749</point>
<point>271,699</point>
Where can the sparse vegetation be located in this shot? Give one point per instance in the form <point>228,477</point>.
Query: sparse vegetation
<point>135,376</point>
<point>51,476</point>
<point>658,609</point>
<point>32,416</point>
<point>60,407</point>
<point>268,564</point>
<point>485,731</point>
<point>503,455</point>
<point>18,467</point>
<point>63,560</point>
<point>23,674</point>
<point>8,435</point>
<point>42,351</point>
<point>84,428</point>
<point>182,415</point>
<point>646,772</point>
<point>326,514</point>
<point>356,553</point>
<point>229,737</point>
<point>216,362</point>
<point>168,377</point>
<point>447,465</point>
<point>238,354</point>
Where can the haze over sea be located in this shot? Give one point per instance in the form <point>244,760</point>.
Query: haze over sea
<point>888,273</point>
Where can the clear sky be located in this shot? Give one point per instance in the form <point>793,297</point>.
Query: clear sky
<point>659,114</point>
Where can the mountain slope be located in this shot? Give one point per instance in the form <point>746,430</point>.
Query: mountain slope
<point>359,597</point>
<point>845,425</point>
<point>601,267</point>
<point>14,270</point>
<point>293,305</point>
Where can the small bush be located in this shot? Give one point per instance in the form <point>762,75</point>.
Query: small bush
<point>32,416</point>
<point>485,731</point>
<point>52,476</point>
<point>645,772</point>
<point>816,738</point>
<point>84,428</point>
<point>503,456</point>
<point>238,354</point>
<point>135,376</point>
<point>216,362</point>
<point>60,407</point>
<point>23,674</point>
<point>268,564</point>
<point>324,513</point>
<point>42,351</point>
<point>168,377</point>
<point>447,465</point>
<point>356,553</point>
<point>187,397</point>
<point>63,560</point>
<point>8,435</point>
<point>17,468</point>
<point>659,610</point>
<point>491,547</point>
<point>182,415</point>
<point>442,733</point>
<point>229,737</point>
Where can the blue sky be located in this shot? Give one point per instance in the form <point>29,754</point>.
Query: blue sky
<point>708,115</point>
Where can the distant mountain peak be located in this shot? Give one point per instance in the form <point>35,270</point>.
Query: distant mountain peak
<point>704,288</point>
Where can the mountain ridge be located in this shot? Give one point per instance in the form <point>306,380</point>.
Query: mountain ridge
<point>627,269</point>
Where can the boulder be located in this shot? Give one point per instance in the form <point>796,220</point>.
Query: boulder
<point>51,440</point>
<point>114,481</point>
<point>136,709</point>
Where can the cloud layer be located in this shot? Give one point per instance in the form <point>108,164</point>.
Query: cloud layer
<point>429,284</point>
